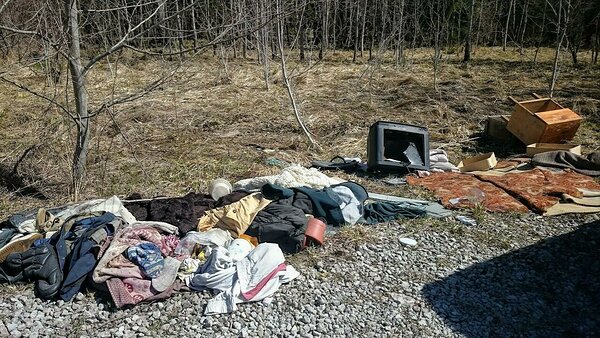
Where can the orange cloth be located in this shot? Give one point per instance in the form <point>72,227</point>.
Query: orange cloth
<point>252,240</point>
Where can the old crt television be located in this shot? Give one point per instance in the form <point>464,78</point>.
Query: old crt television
<point>397,147</point>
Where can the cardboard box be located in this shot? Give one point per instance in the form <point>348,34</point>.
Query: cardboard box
<point>537,148</point>
<point>485,161</point>
<point>543,120</point>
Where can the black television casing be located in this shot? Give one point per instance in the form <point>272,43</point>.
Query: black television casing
<point>397,137</point>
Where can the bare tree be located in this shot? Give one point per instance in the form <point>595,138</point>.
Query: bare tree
<point>469,35</point>
<point>66,40</point>
<point>523,27</point>
<point>436,10</point>
<point>81,34</point>
<point>400,38</point>
<point>510,9</point>
<point>562,22</point>
<point>78,79</point>
<point>284,73</point>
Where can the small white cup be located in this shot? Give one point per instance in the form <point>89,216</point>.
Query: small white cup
<point>219,188</point>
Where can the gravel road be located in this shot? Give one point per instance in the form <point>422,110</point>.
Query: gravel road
<point>508,276</point>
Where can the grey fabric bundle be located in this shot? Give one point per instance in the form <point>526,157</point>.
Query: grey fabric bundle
<point>588,165</point>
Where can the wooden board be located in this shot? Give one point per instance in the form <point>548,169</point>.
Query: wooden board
<point>559,116</point>
<point>539,105</point>
<point>537,148</point>
<point>527,127</point>
<point>561,125</point>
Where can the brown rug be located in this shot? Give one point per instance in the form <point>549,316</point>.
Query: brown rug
<point>451,186</point>
<point>541,189</point>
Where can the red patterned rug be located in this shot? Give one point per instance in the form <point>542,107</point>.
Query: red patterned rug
<point>457,190</point>
<point>541,189</point>
<point>536,189</point>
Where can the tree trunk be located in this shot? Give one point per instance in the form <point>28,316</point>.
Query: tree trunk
<point>469,36</point>
<point>263,41</point>
<point>523,29</point>
<point>356,33</point>
<point>560,35</point>
<point>596,43</point>
<point>541,38</point>
<point>415,29</point>
<point>510,6</point>
<point>302,41</point>
<point>81,97</point>
<point>437,48</point>
<point>324,29</point>
<point>479,25</point>
<point>496,23</point>
<point>362,35</point>
<point>179,28</point>
<point>574,55</point>
<point>399,49</point>
<point>194,29</point>
<point>165,41</point>
<point>335,8</point>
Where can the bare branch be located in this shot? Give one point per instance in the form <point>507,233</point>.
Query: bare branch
<point>286,80</point>
<point>132,96</point>
<point>40,95</point>
<point>4,5</point>
<point>120,8</point>
<point>126,38</point>
<point>20,31</point>
<point>112,117</point>
<point>216,40</point>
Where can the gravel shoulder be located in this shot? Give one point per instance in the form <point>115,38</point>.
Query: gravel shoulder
<point>509,276</point>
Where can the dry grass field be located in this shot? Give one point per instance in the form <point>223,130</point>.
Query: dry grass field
<point>214,120</point>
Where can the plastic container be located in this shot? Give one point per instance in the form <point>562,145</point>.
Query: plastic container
<point>315,232</point>
<point>213,237</point>
<point>476,195</point>
<point>219,187</point>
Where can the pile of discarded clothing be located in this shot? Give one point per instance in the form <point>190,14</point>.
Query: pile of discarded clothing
<point>233,244</point>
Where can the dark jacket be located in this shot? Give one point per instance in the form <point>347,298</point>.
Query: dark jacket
<point>323,205</point>
<point>281,223</point>
<point>80,245</point>
<point>39,264</point>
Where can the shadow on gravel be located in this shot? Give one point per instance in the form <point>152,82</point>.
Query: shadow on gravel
<point>549,289</point>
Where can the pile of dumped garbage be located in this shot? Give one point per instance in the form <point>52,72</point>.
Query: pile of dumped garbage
<point>233,240</point>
